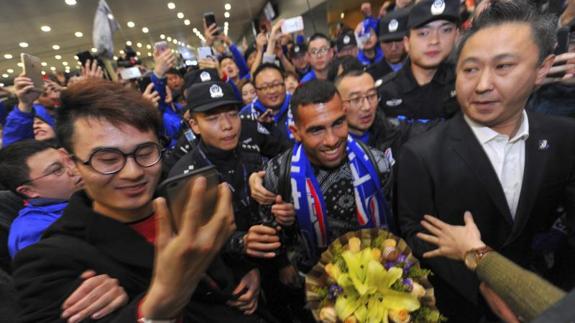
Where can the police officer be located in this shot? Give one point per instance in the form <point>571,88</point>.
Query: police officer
<point>267,140</point>
<point>214,117</point>
<point>424,88</point>
<point>346,44</point>
<point>297,57</point>
<point>392,29</point>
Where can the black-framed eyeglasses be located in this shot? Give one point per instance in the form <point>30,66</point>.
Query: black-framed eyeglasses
<point>58,170</point>
<point>371,97</point>
<point>271,87</point>
<point>318,51</point>
<point>108,161</point>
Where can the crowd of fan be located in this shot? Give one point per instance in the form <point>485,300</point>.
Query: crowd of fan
<point>423,108</point>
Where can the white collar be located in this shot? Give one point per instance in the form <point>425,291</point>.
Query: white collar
<point>485,134</point>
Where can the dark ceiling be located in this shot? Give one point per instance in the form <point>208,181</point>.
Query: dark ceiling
<point>22,21</point>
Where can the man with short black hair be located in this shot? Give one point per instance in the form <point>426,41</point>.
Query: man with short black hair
<point>424,88</point>
<point>513,170</point>
<point>39,173</point>
<point>333,162</point>
<point>319,54</point>
<point>297,55</point>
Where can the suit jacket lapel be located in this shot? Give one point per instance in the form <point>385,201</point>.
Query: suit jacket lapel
<point>535,160</point>
<point>466,145</point>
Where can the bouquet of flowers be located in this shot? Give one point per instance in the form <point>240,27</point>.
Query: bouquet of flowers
<point>370,276</point>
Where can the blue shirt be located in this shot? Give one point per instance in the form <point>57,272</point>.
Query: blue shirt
<point>308,77</point>
<point>32,221</point>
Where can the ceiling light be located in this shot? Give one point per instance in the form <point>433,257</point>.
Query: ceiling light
<point>55,47</point>
<point>228,6</point>
<point>145,30</point>
<point>58,57</point>
<point>149,54</point>
<point>23,44</point>
<point>44,64</point>
<point>226,14</point>
<point>130,24</point>
<point>149,46</point>
<point>180,15</point>
<point>115,58</point>
<point>169,38</point>
<point>128,43</point>
<point>171,5</point>
<point>5,75</point>
<point>94,50</point>
<point>122,52</point>
<point>70,2</point>
<point>53,68</point>
<point>138,53</point>
<point>162,36</point>
<point>46,29</point>
<point>10,70</point>
<point>110,16</point>
<point>187,22</point>
<point>175,41</point>
<point>342,15</point>
<point>76,57</point>
<point>139,45</point>
<point>43,72</point>
<point>79,34</point>
<point>65,63</point>
<point>8,56</point>
<point>2,85</point>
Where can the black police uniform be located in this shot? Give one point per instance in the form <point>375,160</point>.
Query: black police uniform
<point>402,98</point>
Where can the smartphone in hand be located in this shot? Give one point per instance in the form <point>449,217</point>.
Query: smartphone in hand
<point>177,192</point>
<point>292,25</point>
<point>210,19</point>
<point>32,69</point>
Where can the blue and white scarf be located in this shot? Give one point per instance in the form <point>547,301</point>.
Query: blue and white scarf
<point>372,209</point>
<point>257,108</point>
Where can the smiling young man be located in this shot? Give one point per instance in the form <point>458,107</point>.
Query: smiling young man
<point>511,169</point>
<point>332,162</point>
<point>111,226</point>
<point>424,88</point>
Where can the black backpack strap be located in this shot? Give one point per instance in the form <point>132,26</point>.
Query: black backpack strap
<point>284,178</point>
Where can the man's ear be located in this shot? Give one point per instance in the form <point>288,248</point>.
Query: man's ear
<point>543,69</point>
<point>295,131</point>
<point>27,191</point>
<point>193,123</point>
<point>406,43</point>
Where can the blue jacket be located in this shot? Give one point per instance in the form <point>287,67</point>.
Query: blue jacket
<point>171,116</point>
<point>240,62</point>
<point>19,125</point>
<point>32,221</point>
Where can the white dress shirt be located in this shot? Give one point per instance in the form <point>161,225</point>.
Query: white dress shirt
<point>507,157</point>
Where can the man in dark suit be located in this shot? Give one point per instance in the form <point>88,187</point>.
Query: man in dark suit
<point>510,168</point>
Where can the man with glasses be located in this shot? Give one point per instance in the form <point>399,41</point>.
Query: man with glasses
<point>114,227</point>
<point>272,105</point>
<point>319,55</point>
<point>360,100</point>
<point>424,88</point>
<point>39,173</point>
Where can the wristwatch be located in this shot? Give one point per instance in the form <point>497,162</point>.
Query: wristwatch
<point>474,256</point>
